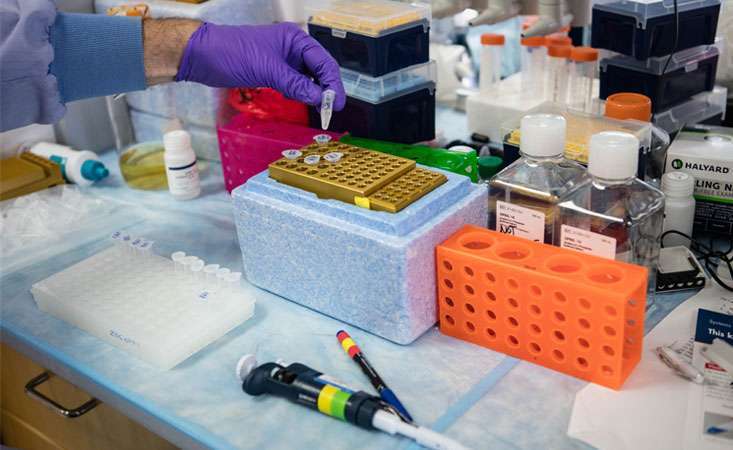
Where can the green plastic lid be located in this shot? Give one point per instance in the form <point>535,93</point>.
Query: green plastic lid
<point>488,166</point>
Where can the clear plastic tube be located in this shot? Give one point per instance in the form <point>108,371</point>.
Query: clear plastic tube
<point>327,100</point>
<point>533,55</point>
<point>492,46</point>
<point>210,274</point>
<point>556,77</point>
<point>583,68</point>
<point>221,275</point>
<point>232,281</point>
<point>177,258</point>
<point>196,269</point>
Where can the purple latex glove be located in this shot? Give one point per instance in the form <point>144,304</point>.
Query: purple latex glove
<point>280,56</point>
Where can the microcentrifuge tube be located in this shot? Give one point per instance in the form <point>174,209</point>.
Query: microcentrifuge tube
<point>292,154</point>
<point>322,139</point>
<point>221,275</point>
<point>327,99</point>
<point>333,157</point>
<point>196,270</point>
<point>187,262</point>
<point>232,280</point>
<point>210,274</point>
<point>177,258</point>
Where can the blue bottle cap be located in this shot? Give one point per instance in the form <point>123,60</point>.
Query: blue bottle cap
<point>93,170</point>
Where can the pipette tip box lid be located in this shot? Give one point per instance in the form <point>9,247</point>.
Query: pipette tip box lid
<point>372,37</point>
<point>688,72</point>
<point>580,127</point>
<point>368,17</point>
<point>374,270</point>
<point>378,89</point>
<point>646,28</point>
<point>406,117</point>
<point>701,107</point>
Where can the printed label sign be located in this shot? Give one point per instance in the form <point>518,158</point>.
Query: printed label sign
<point>587,242</point>
<point>520,221</point>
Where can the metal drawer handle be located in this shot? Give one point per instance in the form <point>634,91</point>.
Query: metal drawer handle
<point>30,389</point>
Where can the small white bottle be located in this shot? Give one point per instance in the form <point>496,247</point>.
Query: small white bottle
<point>80,167</point>
<point>679,208</point>
<point>180,165</point>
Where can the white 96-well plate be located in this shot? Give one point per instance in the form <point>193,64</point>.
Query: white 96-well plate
<point>140,304</point>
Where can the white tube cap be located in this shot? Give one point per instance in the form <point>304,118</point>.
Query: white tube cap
<point>177,141</point>
<point>678,184</point>
<point>543,135</point>
<point>613,155</point>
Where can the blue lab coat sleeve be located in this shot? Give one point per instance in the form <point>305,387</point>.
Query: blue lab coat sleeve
<point>49,58</point>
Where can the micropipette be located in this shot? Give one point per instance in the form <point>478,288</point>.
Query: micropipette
<point>327,99</point>
<point>308,387</point>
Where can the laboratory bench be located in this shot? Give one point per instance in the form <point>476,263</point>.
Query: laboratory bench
<point>479,397</point>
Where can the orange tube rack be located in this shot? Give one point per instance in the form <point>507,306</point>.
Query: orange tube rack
<point>574,313</point>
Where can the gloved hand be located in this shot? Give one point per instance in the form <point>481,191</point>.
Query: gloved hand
<point>279,56</point>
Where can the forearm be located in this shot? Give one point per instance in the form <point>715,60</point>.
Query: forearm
<point>164,42</point>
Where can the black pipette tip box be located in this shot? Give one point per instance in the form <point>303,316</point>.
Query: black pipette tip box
<point>644,30</point>
<point>407,118</point>
<point>688,73</point>
<point>401,47</point>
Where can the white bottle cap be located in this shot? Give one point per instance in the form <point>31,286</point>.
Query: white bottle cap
<point>245,366</point>
<point>543,135</point>
<point>678,184</point>
<point>177,141</point>
<point>613,155</point>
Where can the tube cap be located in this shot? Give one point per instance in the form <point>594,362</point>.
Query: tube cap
<point>558,39</point>
<point>613,155</point>
<point>93,170</point>
<point>488,166</point>
<point>678,184</point>
<point>492,39</point>
<point>583,54</point>
<point>177,141</point>
<point>542,135</point>
<point>559,51</point>
<point>627,105</point>
<point>533,41</point>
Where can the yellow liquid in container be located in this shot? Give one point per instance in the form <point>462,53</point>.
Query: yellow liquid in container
<point>143,167</point>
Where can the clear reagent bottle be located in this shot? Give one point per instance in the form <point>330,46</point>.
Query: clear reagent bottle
<point>679,207</point>
<point>523,197</point>
<point>180,165</point>
<point>614,214</point>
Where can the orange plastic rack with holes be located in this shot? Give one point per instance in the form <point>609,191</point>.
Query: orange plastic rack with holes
<point>574,313</point>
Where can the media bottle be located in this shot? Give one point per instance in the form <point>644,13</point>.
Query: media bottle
<point>523,197</point>
<point>613,214</point>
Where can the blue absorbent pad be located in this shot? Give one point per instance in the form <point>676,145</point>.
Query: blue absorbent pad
<point>373,270</point>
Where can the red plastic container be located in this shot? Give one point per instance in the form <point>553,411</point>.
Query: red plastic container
<point>248,146</point>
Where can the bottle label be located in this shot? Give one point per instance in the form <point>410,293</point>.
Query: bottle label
<point>587,242</point>
<point>520,221</point>
<point>183,180</point>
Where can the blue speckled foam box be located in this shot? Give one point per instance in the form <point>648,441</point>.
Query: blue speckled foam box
<point>373,270</point>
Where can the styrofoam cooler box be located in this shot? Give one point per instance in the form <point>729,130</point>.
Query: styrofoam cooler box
<point>150,127</point>
<point>373,270</point>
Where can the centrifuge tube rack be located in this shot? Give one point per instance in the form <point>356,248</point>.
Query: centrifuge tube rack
<point>366,178</point>
<point>575,313</point>
<point>159,310</point>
